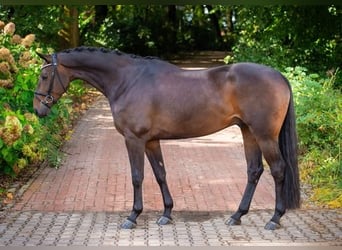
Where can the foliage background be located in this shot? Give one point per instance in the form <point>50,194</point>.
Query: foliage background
<point>303,42</point>
<point>26,140</point>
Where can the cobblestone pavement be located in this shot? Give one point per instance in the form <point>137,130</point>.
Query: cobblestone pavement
<point>300,228</point>
<point>86,199</point>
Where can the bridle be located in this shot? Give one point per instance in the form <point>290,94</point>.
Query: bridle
<point>48,98</point>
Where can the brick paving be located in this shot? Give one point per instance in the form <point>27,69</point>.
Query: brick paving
<point>85,200</point>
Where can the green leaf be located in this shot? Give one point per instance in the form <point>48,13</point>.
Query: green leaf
<point>8,155</point>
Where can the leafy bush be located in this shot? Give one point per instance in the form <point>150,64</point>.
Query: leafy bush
<point>272,37</point>
<point>24,139</point>
<point>319,119</point>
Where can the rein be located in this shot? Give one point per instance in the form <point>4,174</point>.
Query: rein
<point>48,98</point>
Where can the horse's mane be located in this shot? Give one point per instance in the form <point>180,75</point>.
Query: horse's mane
<point>104,50</point>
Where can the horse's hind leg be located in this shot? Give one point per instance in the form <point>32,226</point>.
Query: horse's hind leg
<point>254,171</point>
<point>154,155</point>
<point>272,154</point>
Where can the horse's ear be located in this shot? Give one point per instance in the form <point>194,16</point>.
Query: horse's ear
<point>47,58</point>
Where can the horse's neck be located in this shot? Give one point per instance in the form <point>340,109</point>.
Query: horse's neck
<point>99,70</point>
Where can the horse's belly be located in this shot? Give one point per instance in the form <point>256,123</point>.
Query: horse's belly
<point>194,126</point>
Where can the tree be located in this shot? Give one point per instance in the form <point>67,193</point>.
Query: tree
<point>55,26</point>
<point>283,36</point>
<point>39,20</point>
<point>69,34</point>
<point>279,36</point>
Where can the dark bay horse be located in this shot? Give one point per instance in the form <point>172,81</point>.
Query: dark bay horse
<point>152,100</point>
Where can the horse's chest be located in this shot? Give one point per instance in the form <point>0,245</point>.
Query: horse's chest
<point>131,121</point>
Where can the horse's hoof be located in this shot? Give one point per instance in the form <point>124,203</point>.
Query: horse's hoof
<point>271,225</point>
<point>233,222</point>
<point>164,221</point>
<point>127,224</point>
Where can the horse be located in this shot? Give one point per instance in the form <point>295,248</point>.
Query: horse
<point>152,100</point>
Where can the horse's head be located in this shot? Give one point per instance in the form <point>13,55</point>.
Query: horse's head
<point>53,82</point>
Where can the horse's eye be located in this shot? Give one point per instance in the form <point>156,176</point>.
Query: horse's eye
<point>44,77</point>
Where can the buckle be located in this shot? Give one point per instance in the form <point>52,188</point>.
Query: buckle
<point>48,99</point>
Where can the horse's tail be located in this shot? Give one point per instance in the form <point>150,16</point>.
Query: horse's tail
<point>288,147</point>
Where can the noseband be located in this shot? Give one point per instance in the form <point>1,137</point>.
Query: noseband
<point>48,98</point>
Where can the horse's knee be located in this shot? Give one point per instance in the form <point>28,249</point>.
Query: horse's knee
<point>254,174</point>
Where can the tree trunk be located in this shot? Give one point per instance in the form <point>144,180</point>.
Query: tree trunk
<point>172,27</point>
<point>70,33</point>
<point>215,21</point>
<point>73,30</point>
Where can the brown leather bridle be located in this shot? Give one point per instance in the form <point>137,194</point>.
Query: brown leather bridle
<point>48,98</point>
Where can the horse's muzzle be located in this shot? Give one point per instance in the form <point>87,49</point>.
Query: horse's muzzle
<point>42,111</point>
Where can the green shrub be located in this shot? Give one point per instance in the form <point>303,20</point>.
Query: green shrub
<point>319,119</point>
<point>26,140</point>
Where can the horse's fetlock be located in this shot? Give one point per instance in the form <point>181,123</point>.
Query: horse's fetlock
<point>242,211</point>
<point>137,211</point>
<point>169,205</point>
<point>280,212</point>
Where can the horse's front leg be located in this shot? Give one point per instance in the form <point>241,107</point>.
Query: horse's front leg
<point>154,155</point>
<point>135,148</point>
